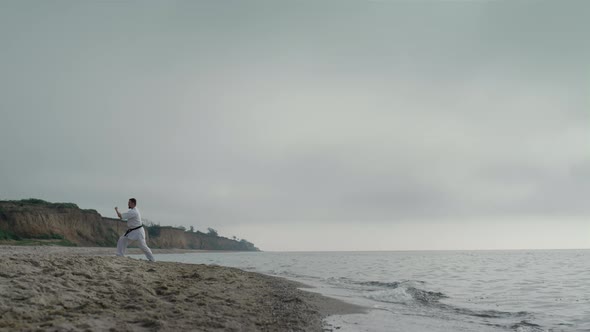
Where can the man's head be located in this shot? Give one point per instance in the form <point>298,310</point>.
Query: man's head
<point>132,203</point>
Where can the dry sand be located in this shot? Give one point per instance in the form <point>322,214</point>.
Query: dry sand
<point>83,289</point>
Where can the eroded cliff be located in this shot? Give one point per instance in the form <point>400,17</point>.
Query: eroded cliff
<point>65,223</point>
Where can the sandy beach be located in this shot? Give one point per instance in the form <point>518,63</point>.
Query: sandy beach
<point>89,289</point>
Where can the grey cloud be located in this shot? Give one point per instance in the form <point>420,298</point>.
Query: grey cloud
<point>325,111</point>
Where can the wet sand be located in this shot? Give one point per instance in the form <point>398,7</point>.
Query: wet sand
<point>88,289</point>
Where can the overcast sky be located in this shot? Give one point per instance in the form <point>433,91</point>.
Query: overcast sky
<point>307,125</point>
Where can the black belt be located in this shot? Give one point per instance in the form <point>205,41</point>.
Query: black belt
<point>132,229</point>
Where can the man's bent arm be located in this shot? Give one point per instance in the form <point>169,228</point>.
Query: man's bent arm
<point>118,213</point>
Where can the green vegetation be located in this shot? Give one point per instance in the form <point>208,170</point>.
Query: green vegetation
<point>7,235</point>
<point>42,203</point>
<point>36,240</point>
<point>32,201</point>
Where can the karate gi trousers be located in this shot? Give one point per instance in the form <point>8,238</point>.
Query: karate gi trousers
<point>134,235</point>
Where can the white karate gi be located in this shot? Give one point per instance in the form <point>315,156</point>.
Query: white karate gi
<point>133,220</point>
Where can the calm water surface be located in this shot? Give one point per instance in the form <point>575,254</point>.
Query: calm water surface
<point>436,290</point>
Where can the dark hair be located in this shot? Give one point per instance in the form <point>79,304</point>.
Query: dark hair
<point>132,200</point>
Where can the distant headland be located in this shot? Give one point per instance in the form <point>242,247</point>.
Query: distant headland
<point>38,222</point>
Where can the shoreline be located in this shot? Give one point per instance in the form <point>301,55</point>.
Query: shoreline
<point>94,251</point>
<point>77,288</point>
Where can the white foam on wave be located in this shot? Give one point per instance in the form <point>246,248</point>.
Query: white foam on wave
<point>395,295</point>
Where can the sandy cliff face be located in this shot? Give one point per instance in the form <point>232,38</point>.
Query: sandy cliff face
<point>82,227</point>
<point>42,220</point>
<point>168,237</point>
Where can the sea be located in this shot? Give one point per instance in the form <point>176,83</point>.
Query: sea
<point>521,290</point>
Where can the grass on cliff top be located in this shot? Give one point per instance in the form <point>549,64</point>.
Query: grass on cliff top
<point>42,203</point>
<point>9,238</point>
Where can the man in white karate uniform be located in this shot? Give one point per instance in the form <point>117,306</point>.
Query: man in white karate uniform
<point>135,231</point>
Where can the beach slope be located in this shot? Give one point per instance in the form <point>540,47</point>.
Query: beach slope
<point>70,290</point>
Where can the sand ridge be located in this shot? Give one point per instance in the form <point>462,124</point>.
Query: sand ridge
<point>74,292</point>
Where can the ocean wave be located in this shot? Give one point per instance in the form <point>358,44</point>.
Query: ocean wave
<point>394,284</point>
<point>486,313</point>
<point>408,292</point>
<point>525,326</point>
<point>402,291</point>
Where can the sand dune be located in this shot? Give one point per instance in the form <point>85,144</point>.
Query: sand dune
<point>76,289</point>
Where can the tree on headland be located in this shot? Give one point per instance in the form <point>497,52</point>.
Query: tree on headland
<point>191,229</point>
<point>212,231</point>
